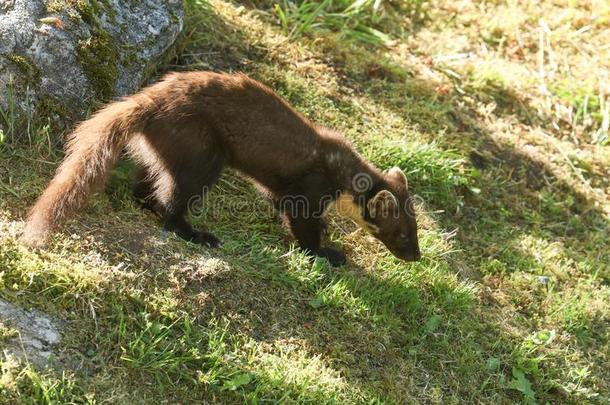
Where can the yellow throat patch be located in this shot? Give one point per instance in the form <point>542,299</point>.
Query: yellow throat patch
<point>346,206</point>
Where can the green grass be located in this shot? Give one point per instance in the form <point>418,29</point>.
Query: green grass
<point>353,20</point>
<point>509,303</point>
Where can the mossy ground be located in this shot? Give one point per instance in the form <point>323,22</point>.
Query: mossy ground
<point>509,303</point>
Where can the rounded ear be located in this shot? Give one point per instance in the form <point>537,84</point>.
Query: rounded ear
<point>382,204</point>
<point>397,173</point>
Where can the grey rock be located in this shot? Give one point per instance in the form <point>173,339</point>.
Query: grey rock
<point>36,336</point>
<point>59,57</point>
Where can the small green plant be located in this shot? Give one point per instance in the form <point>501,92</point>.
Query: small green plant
<point>523,385</point>
<point>237,381</point>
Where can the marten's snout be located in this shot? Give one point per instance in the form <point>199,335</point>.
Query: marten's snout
<point>412,257</point>
<point>408,255</point>
<point>415,257</point>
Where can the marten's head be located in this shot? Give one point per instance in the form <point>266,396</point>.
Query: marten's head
<point>390,217</point>
<point>387,212</point>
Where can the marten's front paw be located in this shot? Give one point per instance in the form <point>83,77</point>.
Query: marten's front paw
<point>207,239</point>
<point>335,257</point>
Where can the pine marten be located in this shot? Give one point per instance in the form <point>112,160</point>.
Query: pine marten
<point>183,130</point>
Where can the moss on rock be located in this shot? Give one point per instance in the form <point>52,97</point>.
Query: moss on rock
<point>99,57</point>
<point>97,53</point>
<point>101,49</point>
<point>30,72</point>
<point>51,112</point>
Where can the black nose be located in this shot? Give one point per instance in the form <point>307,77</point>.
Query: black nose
<point>411,257</point>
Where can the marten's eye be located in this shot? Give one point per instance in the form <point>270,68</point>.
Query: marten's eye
<point>403,236</point>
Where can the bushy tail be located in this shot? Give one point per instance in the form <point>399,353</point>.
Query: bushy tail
<point>92,150</point>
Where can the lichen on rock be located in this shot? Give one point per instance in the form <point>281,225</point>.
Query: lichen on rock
<point>26,334</point>
<point>69,55</point>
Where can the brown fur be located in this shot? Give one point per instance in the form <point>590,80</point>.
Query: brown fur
<point>183,130</point>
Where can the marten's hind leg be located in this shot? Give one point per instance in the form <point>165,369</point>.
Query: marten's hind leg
<point>174,194</point>
<point>180,226</point>
<point>143,191</point>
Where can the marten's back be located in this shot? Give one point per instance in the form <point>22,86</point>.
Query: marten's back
<point>261,134</point>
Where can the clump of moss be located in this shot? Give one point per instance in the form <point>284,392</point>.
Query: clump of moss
<point>82,6</point>
<point>51,115</point>
<point>97,53</point>
<point>6,333</point>
<point>48,106</point>
<point>99,58</point>
<point>57,6</point>
<point>109,10</point>
<point>30,72</point>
